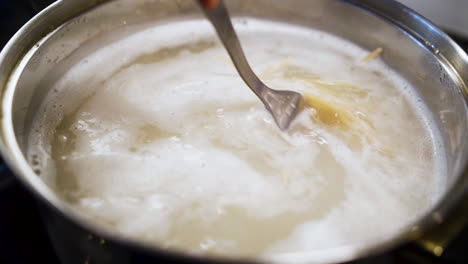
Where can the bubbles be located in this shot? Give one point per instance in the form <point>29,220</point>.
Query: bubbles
<point>170,133</point>
<point>35,162</point>
<point>62,139</point>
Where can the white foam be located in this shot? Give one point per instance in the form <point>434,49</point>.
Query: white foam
<point>179,141</point>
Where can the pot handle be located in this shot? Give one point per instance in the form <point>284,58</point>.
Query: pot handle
<point>437,239</point>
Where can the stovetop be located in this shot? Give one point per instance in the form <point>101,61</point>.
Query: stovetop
<point>23,239</point>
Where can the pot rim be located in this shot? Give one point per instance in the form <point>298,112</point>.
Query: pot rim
<point>386,9</point>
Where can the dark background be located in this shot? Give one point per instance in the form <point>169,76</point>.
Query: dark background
<point>23,239</point>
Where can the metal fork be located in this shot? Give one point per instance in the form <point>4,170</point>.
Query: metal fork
<point>283,105</point>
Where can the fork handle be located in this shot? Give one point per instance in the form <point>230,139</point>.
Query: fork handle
<point>208,4</point>
<point>218,15</point>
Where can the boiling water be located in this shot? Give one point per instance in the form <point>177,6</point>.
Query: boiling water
<point>157,138</point>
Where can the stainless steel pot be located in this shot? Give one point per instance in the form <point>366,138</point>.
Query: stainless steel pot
<point>417,49</point>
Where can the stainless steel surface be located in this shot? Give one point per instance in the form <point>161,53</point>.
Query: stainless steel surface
<point>448,14</point>
<point>49,44</point>
<point>283,105</point>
